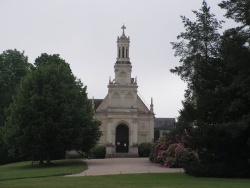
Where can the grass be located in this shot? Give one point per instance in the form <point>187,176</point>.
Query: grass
<point>19,175</point>
<point>26,170</point>
<point>178,180</point>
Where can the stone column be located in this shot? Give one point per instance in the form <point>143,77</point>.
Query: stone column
<point>130,137</point>
<point>135,133</point>
<point>109,145</point>
<point>109,134</point>
<point>133,148</point>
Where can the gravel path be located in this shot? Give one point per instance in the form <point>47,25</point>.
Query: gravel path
<point>123,166</point>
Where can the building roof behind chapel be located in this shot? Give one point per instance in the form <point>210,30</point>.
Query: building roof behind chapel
<point>97,102</point>
<point>164,123</point>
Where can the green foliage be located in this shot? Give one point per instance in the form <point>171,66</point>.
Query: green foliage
<point>97,152</point>
<point>237,10</point>
<point>152,155</point>
<point>216,111</point>
<point>144,149</point>
<point>215,170</point>
<point>198,43</point>
<point>13,67</point>
<point>200,68</point>
<point>24,170</point>
<point>50,111</point>
<point>223,146</point>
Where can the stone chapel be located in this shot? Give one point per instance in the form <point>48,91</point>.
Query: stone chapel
<point>126,120</point>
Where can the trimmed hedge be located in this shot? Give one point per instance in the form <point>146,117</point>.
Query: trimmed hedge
<point>144,149</point>
<point>97,152</point>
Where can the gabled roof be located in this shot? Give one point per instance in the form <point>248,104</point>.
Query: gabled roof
<point>141,106</point>
<point>101,104</point>
<point>164,123</point>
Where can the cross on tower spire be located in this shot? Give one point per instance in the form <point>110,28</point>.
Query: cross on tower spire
<point>123,27</point>
<point>123,47</point>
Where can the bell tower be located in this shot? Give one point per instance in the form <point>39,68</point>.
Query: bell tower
<point>123,67</point>
<point>123,47</point>
<point>123,89</point>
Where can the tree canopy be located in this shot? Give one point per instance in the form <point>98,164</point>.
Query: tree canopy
<point>216,107</point>
<point>14,66</point>
<point>237,10</point>
<point>198,50</point>
<point>50,111</point>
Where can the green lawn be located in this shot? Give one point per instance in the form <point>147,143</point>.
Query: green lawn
<point>22,175</point>
<point>26,170</point>
<point>132,180</point>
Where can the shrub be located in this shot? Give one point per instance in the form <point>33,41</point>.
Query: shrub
<point>152,156</point>
<point>170,151</point>
<point>144,149</point>
<point>216,169</point>
<point>97,152</point>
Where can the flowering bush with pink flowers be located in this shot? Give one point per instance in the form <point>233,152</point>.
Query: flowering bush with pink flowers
<point>170,151</point>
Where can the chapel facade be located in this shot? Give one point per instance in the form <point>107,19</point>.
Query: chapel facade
<point>126,120</point>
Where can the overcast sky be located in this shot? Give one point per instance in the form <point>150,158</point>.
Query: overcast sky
<point>84,33</point>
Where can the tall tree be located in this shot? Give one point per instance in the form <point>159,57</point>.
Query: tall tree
<point>198,52</point>
<point>51,110</point>
<point>13,66</point>
<point>235,53</point>
<point>216,112</point>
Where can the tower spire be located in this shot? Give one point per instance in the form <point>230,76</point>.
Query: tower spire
<point>123,48</point>
<point>151,106</point>
<point>123,27</point>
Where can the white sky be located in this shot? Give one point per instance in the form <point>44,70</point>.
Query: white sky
<point>84,33</point>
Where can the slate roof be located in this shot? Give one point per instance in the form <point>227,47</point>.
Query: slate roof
<point>164,123</point>
<point>97,102</point>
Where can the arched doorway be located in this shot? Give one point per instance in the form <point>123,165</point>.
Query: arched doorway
<point>122,138</point>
